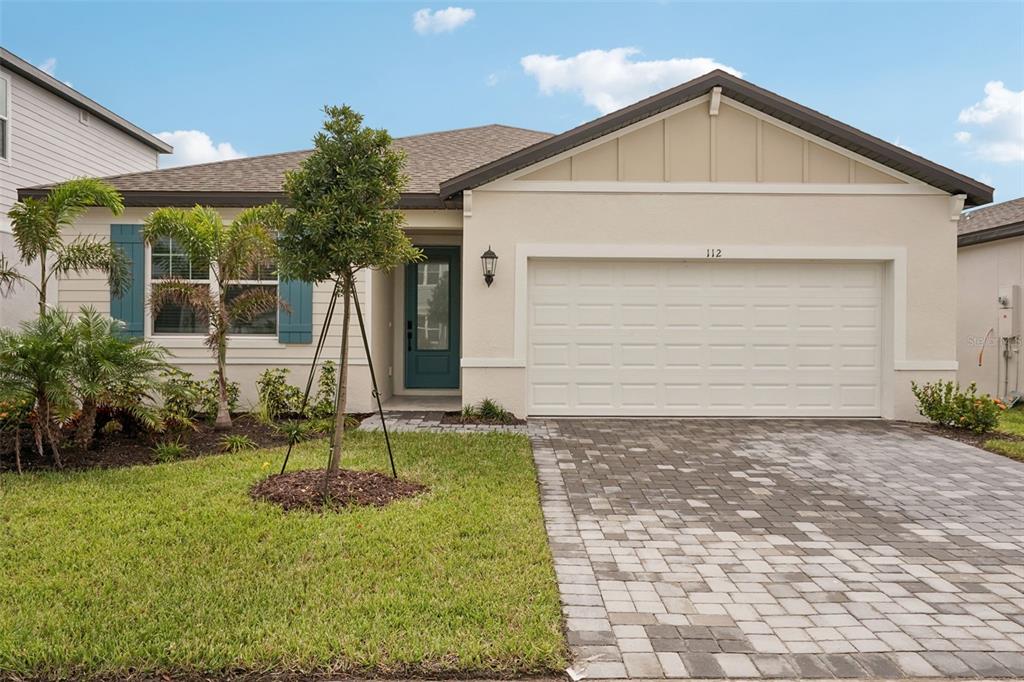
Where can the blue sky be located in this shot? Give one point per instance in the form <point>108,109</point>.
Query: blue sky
<point>253,76</point>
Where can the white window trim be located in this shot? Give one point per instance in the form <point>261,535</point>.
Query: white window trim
<point>183,341</point>
<point>6,116</point>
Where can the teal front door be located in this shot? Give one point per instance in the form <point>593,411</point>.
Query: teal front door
<point>432,289</point>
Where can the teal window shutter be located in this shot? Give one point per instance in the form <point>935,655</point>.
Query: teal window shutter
<point>129,307</point>
<point>296,321</point>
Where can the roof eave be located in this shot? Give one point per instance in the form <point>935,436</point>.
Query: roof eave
<point>151,199</point>
<point>736,88</point>
<point>991,234</point>
<point>44,80</point>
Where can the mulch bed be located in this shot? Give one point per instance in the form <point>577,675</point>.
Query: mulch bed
<point>304,489</point>
<point>457,418</point>
<point>132,448</point>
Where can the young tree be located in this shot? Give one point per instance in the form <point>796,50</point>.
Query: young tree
<point>344,220</point>
<point>37,226</point>
<point>231,250</point>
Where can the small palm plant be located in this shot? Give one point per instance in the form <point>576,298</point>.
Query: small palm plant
<point>234,443</point>
<point>37,225</point>
<point>110,369</point>
<point>36,365</point>
<point>232,250</point>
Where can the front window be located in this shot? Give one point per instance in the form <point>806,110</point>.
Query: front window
<point>169,261</point>
<point>262,277</point>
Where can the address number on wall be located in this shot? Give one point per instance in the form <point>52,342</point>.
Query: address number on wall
<point>713,253</point>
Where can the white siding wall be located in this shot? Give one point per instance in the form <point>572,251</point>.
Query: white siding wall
<point>47,144</point>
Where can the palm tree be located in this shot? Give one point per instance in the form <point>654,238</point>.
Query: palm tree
<point>36,365</point>
<point>233,250</point>
<point>110,369</point>
<point>37,226</point>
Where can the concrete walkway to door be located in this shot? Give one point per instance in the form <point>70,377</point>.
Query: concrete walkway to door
<point>727,548</point>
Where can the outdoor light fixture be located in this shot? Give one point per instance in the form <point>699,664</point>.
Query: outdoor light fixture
<point>489,260</point>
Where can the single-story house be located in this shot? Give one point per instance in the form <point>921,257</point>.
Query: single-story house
<point>712,250</point>
<point>990,273</point>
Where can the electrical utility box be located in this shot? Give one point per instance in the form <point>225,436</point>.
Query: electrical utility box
<point>1009,311</point>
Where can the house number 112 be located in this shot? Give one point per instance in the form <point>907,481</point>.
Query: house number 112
<point>713,253</point>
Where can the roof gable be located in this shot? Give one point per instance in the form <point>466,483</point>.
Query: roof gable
<point>757,99</point>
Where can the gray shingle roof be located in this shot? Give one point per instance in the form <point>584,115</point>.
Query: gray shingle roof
<point>430,159</point>
<point>989,224</point>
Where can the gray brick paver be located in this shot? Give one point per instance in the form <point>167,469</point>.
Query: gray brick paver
<point>804,548</point>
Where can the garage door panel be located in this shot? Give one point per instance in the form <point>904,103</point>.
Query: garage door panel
<point>723,338</point>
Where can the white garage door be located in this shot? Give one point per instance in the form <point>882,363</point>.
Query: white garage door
<point>623,337</point>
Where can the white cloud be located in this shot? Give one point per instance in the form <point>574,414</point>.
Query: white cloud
<point>442,20</point>
<point>491,80</point>
<point>49,66</point>
<point>998,122</point>
<point>195,146</point>
<point>900,144</point>
<point>610,79</point>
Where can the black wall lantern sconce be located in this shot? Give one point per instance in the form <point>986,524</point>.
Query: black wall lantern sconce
<point>489,260</point>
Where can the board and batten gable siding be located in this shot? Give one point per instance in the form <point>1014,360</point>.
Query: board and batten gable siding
<point>691,145</point>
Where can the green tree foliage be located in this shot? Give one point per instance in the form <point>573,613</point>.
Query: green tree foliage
<point>344,197</point>
<point>232,250</point>
<point>37,225</point>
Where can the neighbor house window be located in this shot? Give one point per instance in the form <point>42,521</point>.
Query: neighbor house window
<point>262,277</point>
<point>4,117</point>
<point>169,261</point>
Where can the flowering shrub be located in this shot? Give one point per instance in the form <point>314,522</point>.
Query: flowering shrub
<point>946,404</point>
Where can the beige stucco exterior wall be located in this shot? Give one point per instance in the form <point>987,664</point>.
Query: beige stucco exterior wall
<point>250,355</point>
<point>981,270</point>
<point>916,226</point>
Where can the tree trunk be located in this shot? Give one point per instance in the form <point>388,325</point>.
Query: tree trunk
<point>86,424</point>
<point>44,417</point>
<point>42,283</point>
<point>339,410</point>
<point>37,431</point>
<point>17,448</point>
<point>223,421</point>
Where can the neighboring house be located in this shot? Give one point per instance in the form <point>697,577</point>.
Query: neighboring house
<point>50,132</point>
<point>712,250</point>
<point>990,272</point>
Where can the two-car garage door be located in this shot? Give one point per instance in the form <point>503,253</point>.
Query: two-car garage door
<point>631,337</point>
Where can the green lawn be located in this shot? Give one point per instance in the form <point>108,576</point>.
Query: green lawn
<point>1011,423</point>
<point>173,568</point>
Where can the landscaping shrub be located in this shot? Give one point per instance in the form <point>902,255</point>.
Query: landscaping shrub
<point>488,410</point>
<point>946,404</point>
<point>170,450</point>
<point>186,399</point>
<point>235,443</point>
<point>277,397</point>
<point>327,389</point>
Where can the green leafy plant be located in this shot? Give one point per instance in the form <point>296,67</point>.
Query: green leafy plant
<point>327,387</point>
<point>180,394</point>
<point>36,365</point>
<point>232,250</point>
<point>37,225</point>
<point>235,443</point>
<point>488,410</point>
<point>946,404</point>
<point>14,416</point>
<point>113,371</point>
<point>342,221</point>
<point>276,396</point>
<point>170,450</point>
<point>208,403</point>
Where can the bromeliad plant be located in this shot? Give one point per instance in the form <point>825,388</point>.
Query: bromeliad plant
<point>232,250</point>
<point>37,225</point>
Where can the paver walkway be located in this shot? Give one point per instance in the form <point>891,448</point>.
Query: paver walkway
<point>723,548</point>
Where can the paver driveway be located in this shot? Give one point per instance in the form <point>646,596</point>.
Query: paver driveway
<point>707,548</point>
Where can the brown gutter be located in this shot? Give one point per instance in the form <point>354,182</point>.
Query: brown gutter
<point>409,201</point>
<point>991,234</point>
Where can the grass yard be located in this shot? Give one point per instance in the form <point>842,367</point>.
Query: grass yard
<point>1011,423</point>
<point>172,568</point>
